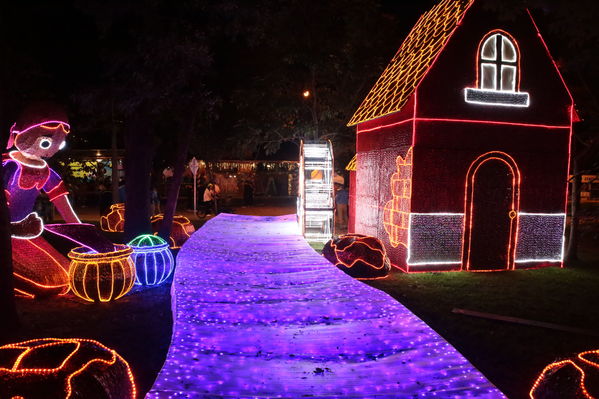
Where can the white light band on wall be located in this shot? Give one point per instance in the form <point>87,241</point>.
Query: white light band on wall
<point>436,238</point>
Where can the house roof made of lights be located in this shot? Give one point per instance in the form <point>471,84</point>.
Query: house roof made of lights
<point>415,56</point>
<point>352,166</point>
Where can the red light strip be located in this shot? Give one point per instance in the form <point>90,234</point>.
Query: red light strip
<point>549,54</point>
<point>413,144</point>
<point>466,121</point>
<point>384,126</point>
<point>567,174</point>
<point>571,107</point>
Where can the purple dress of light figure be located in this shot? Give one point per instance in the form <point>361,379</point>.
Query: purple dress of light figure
<point>259,314</point>
<point>39,270</point>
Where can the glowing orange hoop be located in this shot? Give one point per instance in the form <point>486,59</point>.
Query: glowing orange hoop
<point>101,277</point>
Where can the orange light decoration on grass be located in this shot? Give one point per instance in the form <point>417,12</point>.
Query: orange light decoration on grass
<point>114,221</point>
<point>360,256</point>
<point>180,232</point>
<point>101,277</point>
<point>64,368</point>
<point>569,378</point>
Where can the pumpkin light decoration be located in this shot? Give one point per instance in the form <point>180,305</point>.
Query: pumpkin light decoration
<point>64,368</point>
<point>362,257</point>
<point>101,277</point>
<point>114,220</point>
<point>180,232</point>
<point>576,377</point>
<point>152,258</point>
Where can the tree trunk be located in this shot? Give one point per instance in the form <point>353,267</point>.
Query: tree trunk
<point>572,251</point>
<point>8,311</point>
<point>173,190</point>
<point>139,153</point>
<point>115,163</point>
<point>314,107</point>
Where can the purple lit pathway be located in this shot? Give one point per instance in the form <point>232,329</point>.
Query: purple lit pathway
<point>259,314</point>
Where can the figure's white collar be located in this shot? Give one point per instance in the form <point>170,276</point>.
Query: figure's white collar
<point>43,165</point>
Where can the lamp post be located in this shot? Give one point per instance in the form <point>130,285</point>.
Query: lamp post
<point>308,94</point>
<point>194,166</point>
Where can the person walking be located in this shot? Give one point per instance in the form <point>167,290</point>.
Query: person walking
<point>248,192</point>
<point>341,202</point>
<point>209,199</point>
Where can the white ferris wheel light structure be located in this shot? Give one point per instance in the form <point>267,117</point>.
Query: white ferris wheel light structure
<point>315,208</point>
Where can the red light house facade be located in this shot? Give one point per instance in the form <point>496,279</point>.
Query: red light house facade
<point>463,146</point>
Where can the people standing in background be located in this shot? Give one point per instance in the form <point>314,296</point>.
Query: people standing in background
<point>209,199</point>
<point>215,195</point>
<point>154,202</point>
<point>122,193</point>
<point>271,187</point>
<point>105,199</point>
<point>338,178</point>
<point>248,192</point>
<point>341,202</point>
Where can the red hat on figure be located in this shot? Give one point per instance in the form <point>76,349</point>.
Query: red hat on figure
<point>45,115</point>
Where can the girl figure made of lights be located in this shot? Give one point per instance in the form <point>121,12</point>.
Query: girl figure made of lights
<point>39,269</point>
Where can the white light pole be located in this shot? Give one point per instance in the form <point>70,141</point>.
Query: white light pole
<point>193,166</point>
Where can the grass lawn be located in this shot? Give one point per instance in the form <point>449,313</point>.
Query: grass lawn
<point>510,355</point>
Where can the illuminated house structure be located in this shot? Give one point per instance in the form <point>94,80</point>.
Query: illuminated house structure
<point>463,146</point>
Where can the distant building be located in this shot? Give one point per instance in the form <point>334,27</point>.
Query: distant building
<point>589,191</point>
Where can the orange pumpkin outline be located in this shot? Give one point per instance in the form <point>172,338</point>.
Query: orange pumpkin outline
<point>383,253</point>
<point>57,341</point>
<point>80,259</point>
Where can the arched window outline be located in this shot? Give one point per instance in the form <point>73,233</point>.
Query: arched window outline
<point>501,43</point>
<point>498,72</point>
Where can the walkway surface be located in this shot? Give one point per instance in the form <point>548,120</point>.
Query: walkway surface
<point>259,314</point>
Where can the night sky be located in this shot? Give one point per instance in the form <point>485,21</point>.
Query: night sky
<point>56,51</point>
